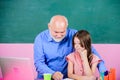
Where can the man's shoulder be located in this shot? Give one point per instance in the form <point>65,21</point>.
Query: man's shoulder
<point>72,30</point>
<point>43,34</point>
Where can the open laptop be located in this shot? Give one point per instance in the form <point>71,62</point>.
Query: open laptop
<point>14,68</point>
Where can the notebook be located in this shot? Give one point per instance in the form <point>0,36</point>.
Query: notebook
<point>68,79</point>
<point>14,68</point>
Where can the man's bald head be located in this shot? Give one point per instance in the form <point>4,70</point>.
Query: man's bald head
<point>57,27</point>
<point>59,19</point>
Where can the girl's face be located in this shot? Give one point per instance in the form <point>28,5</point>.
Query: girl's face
<point>77,45</point>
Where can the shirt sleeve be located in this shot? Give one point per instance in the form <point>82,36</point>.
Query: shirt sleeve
<point>70,57</point>
<point>95,59</point>
<point>101,65</point>
<point>39,58</point>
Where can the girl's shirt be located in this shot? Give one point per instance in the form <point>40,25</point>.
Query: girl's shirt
<point>77,62</point>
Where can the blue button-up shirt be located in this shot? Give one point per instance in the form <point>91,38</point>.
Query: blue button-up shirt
<point>50,56</point>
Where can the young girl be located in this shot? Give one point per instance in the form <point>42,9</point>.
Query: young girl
<point>82,63</point>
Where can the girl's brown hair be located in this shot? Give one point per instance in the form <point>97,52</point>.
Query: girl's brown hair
<point>85,41</point>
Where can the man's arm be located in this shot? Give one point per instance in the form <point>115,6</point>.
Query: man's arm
<point>39,61</point>
<point>101,65</point>
<point>39,57</point>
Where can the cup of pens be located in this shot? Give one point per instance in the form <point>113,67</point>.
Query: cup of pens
<point>101,75</point>
<point>47,76</point>
<point>108,75</point>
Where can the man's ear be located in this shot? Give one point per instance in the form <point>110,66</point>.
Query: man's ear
<point>48,25</point>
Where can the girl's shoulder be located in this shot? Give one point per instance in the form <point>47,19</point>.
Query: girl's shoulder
<point>71,54</point>
<point>95,58</point>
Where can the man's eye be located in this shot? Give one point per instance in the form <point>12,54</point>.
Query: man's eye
<point>56,32</point>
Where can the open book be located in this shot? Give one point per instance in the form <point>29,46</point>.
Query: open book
<point>67,79</point>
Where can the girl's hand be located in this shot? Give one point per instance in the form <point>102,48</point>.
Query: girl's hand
<point>83,53</point>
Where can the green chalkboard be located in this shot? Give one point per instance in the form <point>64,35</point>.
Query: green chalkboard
<point>22,20</point>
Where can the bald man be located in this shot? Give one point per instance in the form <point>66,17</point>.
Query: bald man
<point>52,46</point>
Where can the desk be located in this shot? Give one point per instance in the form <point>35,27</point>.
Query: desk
<point>35,79</point>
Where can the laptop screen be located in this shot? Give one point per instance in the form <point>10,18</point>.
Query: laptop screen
<point>14,68</point>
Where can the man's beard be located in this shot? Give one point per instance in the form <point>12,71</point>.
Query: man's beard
<point>59,39</point>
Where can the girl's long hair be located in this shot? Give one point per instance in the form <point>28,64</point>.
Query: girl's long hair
<point>85,41</point>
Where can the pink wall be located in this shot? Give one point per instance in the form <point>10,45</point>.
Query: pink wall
<point>18,50</point>
<point>109,52</point>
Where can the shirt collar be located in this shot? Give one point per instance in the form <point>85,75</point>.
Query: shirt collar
<point>49,36</point>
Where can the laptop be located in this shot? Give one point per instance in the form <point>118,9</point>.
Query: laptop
<point>14,68</point>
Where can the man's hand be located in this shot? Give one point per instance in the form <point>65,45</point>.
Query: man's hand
<point>57,76</point>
